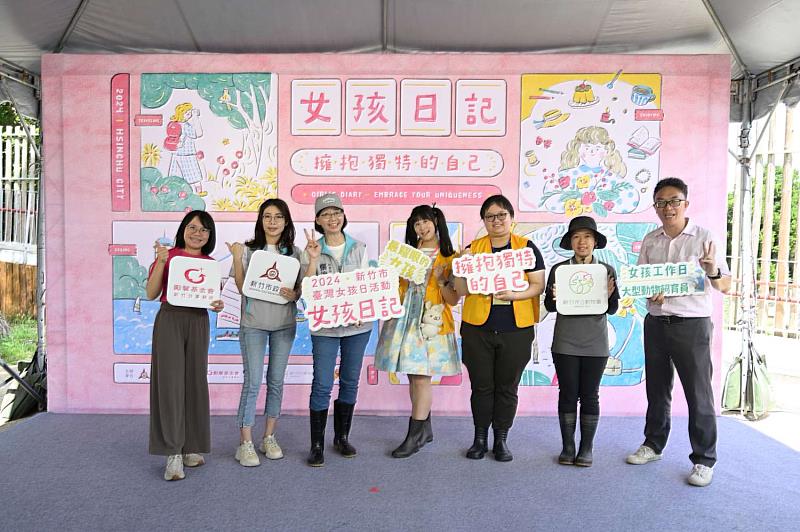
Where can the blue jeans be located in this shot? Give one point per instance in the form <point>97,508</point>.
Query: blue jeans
<point>324,349</point>
<point>253,343</point>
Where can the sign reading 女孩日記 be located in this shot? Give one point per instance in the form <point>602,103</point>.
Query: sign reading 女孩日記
<point>337,299</point>
<point>581,289</point>
<point>490,273</point>
<point>670,279</point>
<point>192,282</point>
<point>409,262</point>
<point>267,272</point>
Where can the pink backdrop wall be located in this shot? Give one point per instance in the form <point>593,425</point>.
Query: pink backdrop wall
<point>77,124</point>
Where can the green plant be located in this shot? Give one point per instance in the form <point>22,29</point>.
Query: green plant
<point>20,344</point>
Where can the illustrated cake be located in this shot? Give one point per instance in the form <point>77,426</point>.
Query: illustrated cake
<point>583,95</point>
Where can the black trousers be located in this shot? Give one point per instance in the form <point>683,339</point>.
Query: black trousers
<point>495,361</point>
<point>685,345</point>
<point>579,379</point>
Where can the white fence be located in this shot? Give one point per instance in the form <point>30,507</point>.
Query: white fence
<point>19,187</point>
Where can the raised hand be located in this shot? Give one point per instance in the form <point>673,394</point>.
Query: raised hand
<point>708,261</point>
<point>236,249</point>
<point>313,249</point>
<point>217,305</point>
<point>162,252</point>
<point>288,294</point>
<point>437,273</point>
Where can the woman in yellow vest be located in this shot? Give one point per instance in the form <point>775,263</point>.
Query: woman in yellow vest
<point>403,346</point>
<point>497,333</point>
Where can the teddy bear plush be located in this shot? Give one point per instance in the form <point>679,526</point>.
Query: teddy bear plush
<point>431,320</point>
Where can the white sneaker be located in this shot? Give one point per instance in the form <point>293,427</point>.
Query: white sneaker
<point>246,455</point>
<point>269,446</point>
<point>193,460</point>
<point>174,469</point>
<point>700,476</point>
<point>643,455</point>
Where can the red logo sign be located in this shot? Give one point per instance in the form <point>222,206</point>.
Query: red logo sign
<point>194,278</point>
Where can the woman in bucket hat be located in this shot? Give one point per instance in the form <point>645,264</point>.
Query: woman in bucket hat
<point>580,346</point>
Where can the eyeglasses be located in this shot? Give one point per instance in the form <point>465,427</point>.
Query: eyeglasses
<point>674,203</point>
<point>329,215</point>
<point>196,229</point>
<point>270,218</point>
<point>500,217</point>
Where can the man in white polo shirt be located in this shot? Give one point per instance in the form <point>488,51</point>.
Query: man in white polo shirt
<point>677,333</point>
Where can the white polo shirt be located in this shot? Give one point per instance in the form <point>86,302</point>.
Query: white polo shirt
<point>659,248</point>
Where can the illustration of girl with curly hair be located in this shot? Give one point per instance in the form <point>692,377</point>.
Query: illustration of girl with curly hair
<point>591,178</point>
<point>184,127</point>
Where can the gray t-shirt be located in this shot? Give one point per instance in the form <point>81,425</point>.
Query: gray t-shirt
<point>266,315</point>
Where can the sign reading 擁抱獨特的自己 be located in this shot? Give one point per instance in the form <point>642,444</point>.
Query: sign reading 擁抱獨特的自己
<point>409,262</point>
<point>490,273</point>
<point>670,279</point>
<point>338,299</point>
<point>267,273</point>
<point>192,282</point>
<point>581,289</point>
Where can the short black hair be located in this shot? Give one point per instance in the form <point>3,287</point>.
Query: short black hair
<point>318,228</point>
<point>675,182</point>
<point>208,223</point>
<point>497,199</point>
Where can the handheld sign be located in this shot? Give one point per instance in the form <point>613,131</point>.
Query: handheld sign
<point>581,289</point>
<point>409,262</point>
<point>337,299</point>
<point>266,273</point>
<point>490,273</point>
<point>670,279</point>
<point>192,282</point>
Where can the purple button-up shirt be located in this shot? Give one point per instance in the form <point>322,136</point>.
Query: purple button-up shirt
<point>659,248</point>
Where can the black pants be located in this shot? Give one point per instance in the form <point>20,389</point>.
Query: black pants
<point>495,361</point>
<point>579,379</point>
<point>685,345</point>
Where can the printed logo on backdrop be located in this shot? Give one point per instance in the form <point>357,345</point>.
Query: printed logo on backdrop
<point>581,289</point>
<point>489,273</point>
<point>192,282</point>
<point>338,299</point>
<point>409,262</point>
<point>670,279</point>
<point>266,273</point>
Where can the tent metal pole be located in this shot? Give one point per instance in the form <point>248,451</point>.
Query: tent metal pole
<point>62,42</point>
<point>727,38</point>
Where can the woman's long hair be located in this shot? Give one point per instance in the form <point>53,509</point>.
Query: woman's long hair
<point>286,241</point>
<point>208,223</point>
<point>435,215</point>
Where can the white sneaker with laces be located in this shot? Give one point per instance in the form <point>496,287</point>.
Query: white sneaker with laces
<point>246,455</point>
<point>269,446</point>
<point>643,455</point>
<point>700,476</point>
<point>193,460</point>
<point>174,469</point>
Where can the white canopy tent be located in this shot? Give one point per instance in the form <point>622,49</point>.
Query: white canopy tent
<point>760,35</point>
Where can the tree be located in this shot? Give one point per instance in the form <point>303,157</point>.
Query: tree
<point>242,99</point>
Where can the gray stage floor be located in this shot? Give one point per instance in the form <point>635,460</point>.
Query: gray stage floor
<point>92,472</point>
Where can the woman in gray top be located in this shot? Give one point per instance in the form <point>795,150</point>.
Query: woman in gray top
<point>264,322</point>
<point>580,346</point>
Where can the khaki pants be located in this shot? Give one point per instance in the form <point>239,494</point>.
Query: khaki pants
<point>179,409</point>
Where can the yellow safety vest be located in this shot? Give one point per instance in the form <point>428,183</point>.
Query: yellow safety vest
<point>434,295</point>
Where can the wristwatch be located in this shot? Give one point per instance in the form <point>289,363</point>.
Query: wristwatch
<point>716,276</point>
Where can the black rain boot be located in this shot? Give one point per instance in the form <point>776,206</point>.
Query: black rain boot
<point>414,439</point>
<point>480,444</point>
<point>319,418</point>
<point>428,431</point>
<point>499,447</point>
<point>567,423</point>
<point>588,430</point>
<point>342,420</point>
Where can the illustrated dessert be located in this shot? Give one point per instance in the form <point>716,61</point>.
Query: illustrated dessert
<point>583,95</point>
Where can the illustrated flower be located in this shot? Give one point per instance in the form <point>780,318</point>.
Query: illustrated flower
<point>239,154</point>
<point>608,205</point>
<point>164,189</point>
<point>225,172</point>
<point>151,155</point>
<point>200,155</point>
<point>563,181</point>
<point>221,159</point>
<point>182,194</point>
<point>572,208</point>
<point>234,165</point>
<point>588,197</point>
<point>583,181</point>
<point>226,141</point>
